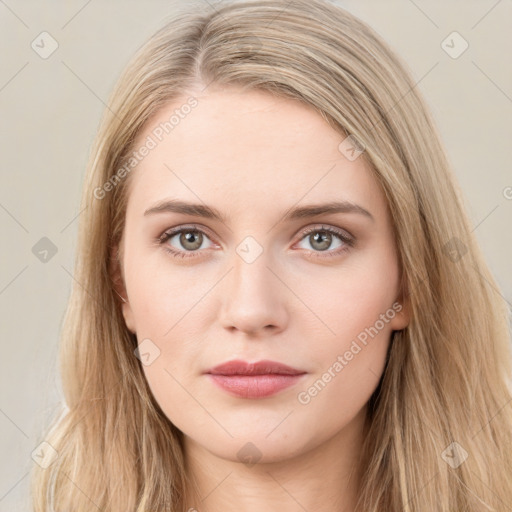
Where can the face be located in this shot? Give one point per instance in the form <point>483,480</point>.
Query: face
<point>268,279</point>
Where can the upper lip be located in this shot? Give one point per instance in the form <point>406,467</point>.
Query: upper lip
<point>237,367</point>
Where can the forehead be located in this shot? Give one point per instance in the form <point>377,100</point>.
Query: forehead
<point>250,148</point>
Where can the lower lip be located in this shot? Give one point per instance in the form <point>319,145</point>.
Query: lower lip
<point>255,386</point>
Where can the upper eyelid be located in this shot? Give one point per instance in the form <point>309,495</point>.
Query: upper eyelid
<point>190,227</point>
<point>330,229</point>
<point>169,233</point>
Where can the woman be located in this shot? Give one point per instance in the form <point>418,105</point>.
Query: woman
<point>280,302</point>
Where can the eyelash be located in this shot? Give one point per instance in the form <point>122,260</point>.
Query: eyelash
<point>348,241</point>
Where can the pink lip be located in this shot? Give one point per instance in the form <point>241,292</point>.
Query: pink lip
<point>254,380</point>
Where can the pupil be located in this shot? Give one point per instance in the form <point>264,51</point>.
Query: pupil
<point>324,239</point>
<point>188,238</point>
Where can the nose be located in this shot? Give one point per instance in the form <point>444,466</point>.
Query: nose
<point>254,298</point>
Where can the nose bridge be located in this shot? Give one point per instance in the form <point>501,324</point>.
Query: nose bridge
<point>251,273</point>
<point>253,296</point>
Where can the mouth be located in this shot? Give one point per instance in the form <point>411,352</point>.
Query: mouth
<point>254,380</point>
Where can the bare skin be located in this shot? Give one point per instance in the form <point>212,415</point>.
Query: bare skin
<point>302,301</point>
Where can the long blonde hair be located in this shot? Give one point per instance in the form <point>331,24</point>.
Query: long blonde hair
<point>440,420</point>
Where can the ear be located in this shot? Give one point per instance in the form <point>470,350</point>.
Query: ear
<point>402,308</point>
<point>116,274</point>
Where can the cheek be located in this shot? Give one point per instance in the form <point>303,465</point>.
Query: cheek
<point>359,346</point>
<point>169,311</point>
<point>160,293</point>
<point>350,360</point>
<point>356,295</point>
<point>357,310</point>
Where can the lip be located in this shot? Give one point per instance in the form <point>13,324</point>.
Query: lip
<point>254,380</point>
<point>265,367</point>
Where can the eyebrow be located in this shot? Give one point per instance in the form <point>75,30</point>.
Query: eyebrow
<point>294,213</point>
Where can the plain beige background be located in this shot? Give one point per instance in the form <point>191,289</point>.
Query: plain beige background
<point>50,109</point>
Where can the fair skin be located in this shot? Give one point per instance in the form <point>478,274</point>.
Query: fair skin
<point>252,156</point>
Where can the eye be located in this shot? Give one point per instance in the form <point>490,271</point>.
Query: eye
<point>321,239</point>
<point>187,241</point>
<point>184,240</point>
